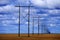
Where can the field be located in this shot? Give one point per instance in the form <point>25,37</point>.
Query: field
<point>32,37</point>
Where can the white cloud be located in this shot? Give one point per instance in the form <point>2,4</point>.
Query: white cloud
<point>8,8</point>
<point>46,3</point>
<point>52,25</point>
<point>7,2</point>
<point>11,18</point>
<point>38,2</point>
<point>54,11</point>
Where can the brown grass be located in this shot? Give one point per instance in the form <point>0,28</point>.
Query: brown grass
<point>32,37</point>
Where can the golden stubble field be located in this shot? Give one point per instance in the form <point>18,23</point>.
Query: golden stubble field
<point>32,37</point>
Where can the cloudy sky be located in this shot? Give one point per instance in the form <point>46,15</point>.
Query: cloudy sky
<point>47,10</point>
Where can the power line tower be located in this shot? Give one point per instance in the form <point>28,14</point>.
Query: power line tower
<point>24,17</point>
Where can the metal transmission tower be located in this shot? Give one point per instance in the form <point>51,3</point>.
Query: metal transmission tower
<point>37,23</point>
<point>24,17</point>
<point>41,27</point>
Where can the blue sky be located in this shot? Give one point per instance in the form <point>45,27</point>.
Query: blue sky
<point>47,10</point>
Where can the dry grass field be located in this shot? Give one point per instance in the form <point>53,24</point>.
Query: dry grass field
<point>32,37</point>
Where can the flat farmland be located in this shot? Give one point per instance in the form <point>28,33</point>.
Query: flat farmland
<point>32,37</point>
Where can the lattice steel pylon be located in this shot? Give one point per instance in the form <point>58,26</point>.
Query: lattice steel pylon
<point>24,17</point>
<point>29,6</point>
